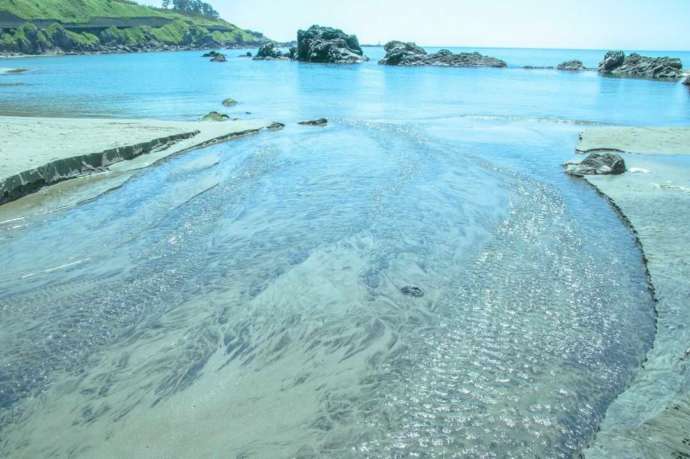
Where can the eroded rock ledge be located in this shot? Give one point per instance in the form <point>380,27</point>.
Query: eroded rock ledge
<point>652,417</point>
<point>37,152</point>
<point>409,54</point>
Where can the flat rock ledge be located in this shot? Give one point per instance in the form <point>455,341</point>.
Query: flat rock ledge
<point>651,418</point>
<point>409,55</point>
<point>616,63</point>
<point>38,152</point>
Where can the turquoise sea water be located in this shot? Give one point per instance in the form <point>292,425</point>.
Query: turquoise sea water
<point>244,300</point>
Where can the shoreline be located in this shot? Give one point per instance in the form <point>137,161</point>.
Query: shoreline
<point>652,416</point>
<point>41,152</point>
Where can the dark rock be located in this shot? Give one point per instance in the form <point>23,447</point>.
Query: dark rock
<point>409,54</point>
<point>415,292</point>
<point>211,54</point>
<point>219,58</point>
<point>636,66</point>
<point>247,54</point>
<point>319,122</point>
<point>269,52</point>
<point>687,80</point>
<point>571,66</point>
<point>276,126</point>
<point>229,102</point>
<point>328,45</point>
<point>597,164</point>
<point>215,116</point>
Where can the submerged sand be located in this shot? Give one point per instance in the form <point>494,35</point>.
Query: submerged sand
<point>35,152</point>
<point>652,418</point>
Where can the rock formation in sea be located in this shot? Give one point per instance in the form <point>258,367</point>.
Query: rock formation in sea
<point>572,66</point>
<point>409,54</point>
<point>229,102</point>
<point>687,80</point>
<point>270,52</point>
<point>597,164</point>
<point>637,66</point>
<point>328,45</point>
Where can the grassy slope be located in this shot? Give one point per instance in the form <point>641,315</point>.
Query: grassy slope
<point>82,11</point>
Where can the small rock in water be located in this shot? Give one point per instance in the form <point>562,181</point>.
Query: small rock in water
<point>410,290</point>
<point>229,102</point>
<point>319,122</point>
<point>597,164</point>
<point>276,126</point>
<point>687,81</point>
<point>215,116</point>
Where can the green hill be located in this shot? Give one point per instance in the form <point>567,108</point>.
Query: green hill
<point>40,26</point>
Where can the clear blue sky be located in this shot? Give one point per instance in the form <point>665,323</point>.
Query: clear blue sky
<point>600,24</point>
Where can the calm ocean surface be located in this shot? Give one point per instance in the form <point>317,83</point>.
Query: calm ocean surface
<point>243,300</point>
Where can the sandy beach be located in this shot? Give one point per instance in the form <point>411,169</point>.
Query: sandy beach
<point>652,418</point>
<point>36,152</point>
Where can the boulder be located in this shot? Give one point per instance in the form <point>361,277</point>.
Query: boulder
<point>269,51</point>
<point>211,54</point>
<point>637,66</point>
<point>409,54</point>
<point>328,45</point>
<point>687,81</point>
<point>318,122</point>
<point>597,164</point>
<point>215,116</point>
<point>220,57</point>
<point>571,66</point>
<point>229,102</point>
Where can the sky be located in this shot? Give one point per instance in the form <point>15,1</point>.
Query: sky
<point>579,24</point>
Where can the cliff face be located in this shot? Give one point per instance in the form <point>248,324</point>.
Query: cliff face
<point>73,26</point>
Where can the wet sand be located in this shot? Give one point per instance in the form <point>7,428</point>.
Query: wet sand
<point>35,152</point>
<point>652,418</point>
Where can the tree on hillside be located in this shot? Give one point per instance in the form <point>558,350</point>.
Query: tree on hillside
<point>196,7</point>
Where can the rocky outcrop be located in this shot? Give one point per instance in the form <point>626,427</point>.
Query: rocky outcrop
<point>270,52</point>
<point>637,66</point>
<point>687,81</point>
<point>597,164</point>
<point>328,45</point>
<point>229,102</point>
<point>318,122</point>
<point>572,66</point>
<point>409,54</point>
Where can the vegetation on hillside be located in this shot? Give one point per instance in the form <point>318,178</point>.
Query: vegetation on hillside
<point>34,27</point>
